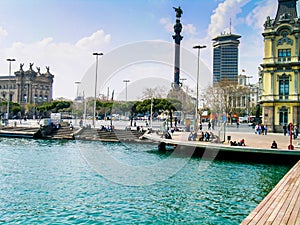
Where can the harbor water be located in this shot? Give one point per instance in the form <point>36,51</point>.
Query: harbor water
<point>55,182</point>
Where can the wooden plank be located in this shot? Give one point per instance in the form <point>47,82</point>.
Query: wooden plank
<point>295,217</point>
<point>288,206</point>
<point>261,209</point>
<point>292,205</point>
<point>274,202</point>
<point>282,204</point>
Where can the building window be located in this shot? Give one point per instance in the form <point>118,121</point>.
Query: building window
<point>284,88</point>
<point>45,98</point>
<point>25,98</point>
<point>283,116</point>
<point>40,98</point>
<point>284,55</point>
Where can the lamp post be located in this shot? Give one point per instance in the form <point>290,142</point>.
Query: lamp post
<point>126,81</point>
<point>197,91</point>
<point>248,97</point>
<point>96,76</point>
<point>9,60</point>
<point>76,101</point>
<point>77,88</point>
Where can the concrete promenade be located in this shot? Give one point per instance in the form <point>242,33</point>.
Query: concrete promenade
<point>244,132</point>
<point>251,139</point>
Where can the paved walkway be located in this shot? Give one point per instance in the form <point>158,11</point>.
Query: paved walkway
<point>251,139</point>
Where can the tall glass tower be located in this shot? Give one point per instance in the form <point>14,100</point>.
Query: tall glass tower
<point>225,58</point>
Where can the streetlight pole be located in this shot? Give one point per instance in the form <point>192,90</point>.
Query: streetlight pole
<point>197,91</point>
<point>96,76</point>
<point>9,60</point>
<point>182,79</point>
<point>77,88</point>
<point>76,101</point>
<point>126,81</point>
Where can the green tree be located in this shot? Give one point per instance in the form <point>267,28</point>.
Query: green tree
<point>54,107</point>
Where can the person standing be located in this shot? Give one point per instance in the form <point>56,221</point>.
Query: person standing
<point>262,129</point>
<point>296,130</point>
<point>266,129</point>
<point>284,129</point>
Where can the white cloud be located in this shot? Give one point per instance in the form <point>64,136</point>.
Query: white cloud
<point>190,29</point>
<point>68,62</point>
<point>3,32</point>
<point>168,25</point>
<point>94,41</point>
<point>258,16</point>
<point>220,19</point>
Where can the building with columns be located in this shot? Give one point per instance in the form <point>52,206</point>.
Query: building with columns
<point>279,76</point>
<point>27,86</point>
<point>250,94</point>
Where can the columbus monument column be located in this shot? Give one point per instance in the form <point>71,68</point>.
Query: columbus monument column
<point>177,38</point>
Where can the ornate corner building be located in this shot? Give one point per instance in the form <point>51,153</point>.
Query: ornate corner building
<point>27,86</point>
<point>279,78</point>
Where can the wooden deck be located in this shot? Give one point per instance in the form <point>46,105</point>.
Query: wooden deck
<point>282,204</point>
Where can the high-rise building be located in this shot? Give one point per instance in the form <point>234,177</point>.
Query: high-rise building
<point>279,78</point>
<point>225,57</point>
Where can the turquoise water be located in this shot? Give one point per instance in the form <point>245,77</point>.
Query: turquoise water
<point>50,182</point>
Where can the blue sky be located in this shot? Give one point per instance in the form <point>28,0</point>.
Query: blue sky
<point>63,34</point>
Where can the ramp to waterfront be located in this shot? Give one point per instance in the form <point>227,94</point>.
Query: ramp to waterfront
<point>282,204</point>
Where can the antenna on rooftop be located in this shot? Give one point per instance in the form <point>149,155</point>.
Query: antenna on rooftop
<point>230,26</point>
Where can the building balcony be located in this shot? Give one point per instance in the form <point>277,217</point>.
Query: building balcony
<point>281,60</point>
<point>279,98</point>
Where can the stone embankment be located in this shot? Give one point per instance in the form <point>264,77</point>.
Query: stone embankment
<point>66,133</point>
<point>116,135</point>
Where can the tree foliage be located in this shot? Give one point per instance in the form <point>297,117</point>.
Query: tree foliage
<point>222,97</point>
<point>54,106</point>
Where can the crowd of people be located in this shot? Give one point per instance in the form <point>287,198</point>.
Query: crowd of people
<point>261,129</point>
<point>204,136</point>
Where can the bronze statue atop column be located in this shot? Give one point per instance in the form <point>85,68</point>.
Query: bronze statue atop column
<point>177,38</point>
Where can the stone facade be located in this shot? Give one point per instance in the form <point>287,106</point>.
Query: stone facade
<point>279,78</point>
<point>28,86</point>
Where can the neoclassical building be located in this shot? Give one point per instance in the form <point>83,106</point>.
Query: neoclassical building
<point>279,76</point>
<point>27,86</point>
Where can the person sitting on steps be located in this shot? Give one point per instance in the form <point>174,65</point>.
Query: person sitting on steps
<point>274,145</point>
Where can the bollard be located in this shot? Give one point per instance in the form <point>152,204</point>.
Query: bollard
<point>291,147</point>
